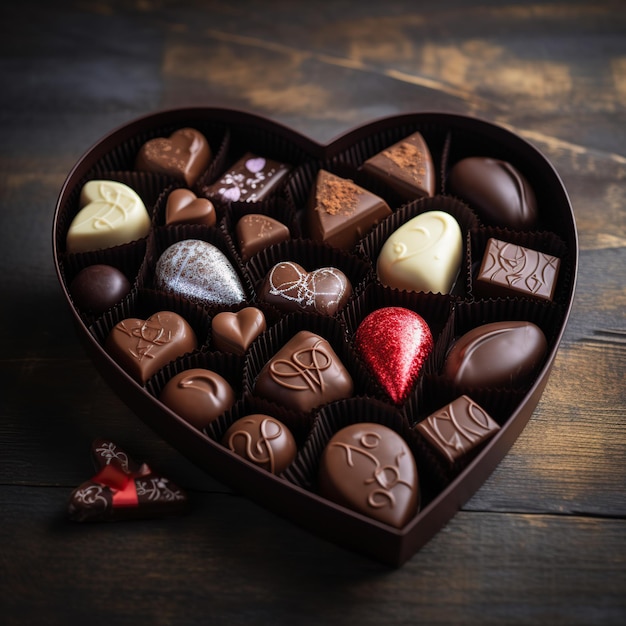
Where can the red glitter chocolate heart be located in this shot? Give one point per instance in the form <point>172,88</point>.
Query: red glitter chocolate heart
<point>394,342</point>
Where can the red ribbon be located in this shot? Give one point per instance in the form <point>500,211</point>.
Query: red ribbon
<point>121,484</point>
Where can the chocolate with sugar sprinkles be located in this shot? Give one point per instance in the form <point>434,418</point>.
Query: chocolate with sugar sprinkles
<point>252,178</point>
<point>184,155</point>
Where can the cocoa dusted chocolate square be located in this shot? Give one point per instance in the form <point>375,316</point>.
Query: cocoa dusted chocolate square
<point>511,270</point>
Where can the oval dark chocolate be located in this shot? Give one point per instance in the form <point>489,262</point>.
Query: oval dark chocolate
<point>497,191</point>
<point>369,468</point>
<point>97,288</point>
<point>500,354</point>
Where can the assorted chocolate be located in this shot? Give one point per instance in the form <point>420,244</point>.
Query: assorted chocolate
<point>98,287</point>
<point>369,468</point>
<point>123,489</point>
<point>262,440</point>
<point>184,155</point>
<point>184,207</point>
<point>111,214</point>
<point>340,212</point>
<point>200,264</point>
<point>289,287</point>
<point>198,395</point>
<point>511,270</point>
<point>424,254</point>
<point>304,374</point>
<point>496,190</point>
<point>253,178</point>
<point>200,272</point>
<point>457,428</point>
<point>407,167</point>
<point>143,347</point>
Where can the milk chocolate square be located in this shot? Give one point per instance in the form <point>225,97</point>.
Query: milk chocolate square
<point>511,270</point>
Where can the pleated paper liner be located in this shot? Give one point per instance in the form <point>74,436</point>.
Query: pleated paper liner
<point>275,207</point>
<point>332,418</point>
<point>271,341</point>
<point>123,156</point>
<point>298,423</point>
<point>546,242</point>
<point>311,256</point>
<point>144,303</point>
<point>434,308</point>
<point>163,237</point>
<point>372,244</point>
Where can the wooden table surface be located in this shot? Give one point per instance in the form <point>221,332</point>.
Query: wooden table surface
<point>542,542</point>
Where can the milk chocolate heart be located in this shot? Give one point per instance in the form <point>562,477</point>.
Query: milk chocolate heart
<point>234,331</point>
<point>143,347</point>
<point>184,155</point>
<point>394,342</point>
<point>289,287</point>
<point>200,272</point>
<point>111,214</point>
<point>184,207</point>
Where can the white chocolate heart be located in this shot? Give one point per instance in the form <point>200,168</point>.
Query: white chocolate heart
<point>111,214</point>
<point>422,255</point>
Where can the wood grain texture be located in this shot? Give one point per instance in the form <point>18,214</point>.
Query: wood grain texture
<point>542,542</point>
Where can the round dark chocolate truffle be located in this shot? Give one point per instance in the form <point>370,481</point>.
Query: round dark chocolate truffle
<point>497,191</point>
<point>97,288</point>
<point>198,395</point>
<point>262,440</point>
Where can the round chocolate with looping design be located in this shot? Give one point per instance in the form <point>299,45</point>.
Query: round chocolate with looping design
<point>262,440</point>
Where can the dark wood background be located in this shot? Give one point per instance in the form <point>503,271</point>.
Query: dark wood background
<point>542,542</point>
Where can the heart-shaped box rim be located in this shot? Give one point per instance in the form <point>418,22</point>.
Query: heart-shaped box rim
<point>320,516</point>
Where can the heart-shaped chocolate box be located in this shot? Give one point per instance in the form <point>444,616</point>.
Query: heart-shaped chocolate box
<point>444,488</point>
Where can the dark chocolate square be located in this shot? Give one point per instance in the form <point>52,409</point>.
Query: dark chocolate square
<point>457,428</point>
